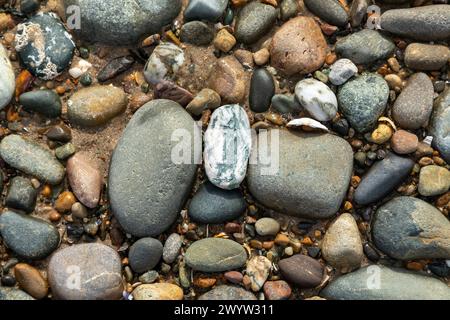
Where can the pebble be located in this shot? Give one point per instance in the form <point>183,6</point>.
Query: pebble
<point>341,71</point>
<point>79,211</point>
<point>123,22</point>
<point>65,201</point>
<point>60,132</point>
<point>28,237</point>
<point>341,246</point>
<point>234,277</point>
<point>149,277</point>
<point>7,78</point>
<point>382,178</point>
<point>215,255</point>
<point>365,47</point>
<point>439,124</point>
<point>434,181</point>
<point>158,291</point>
<point>258,269</point>
<point>164,63</point>
<point>414,105</point>
<point>254,21</point>
<point>298,46</point>
<point>267,227</point>
<point>142,174</point>
<point>262,89</point>
<point>172,248</point>
<point>330,11</point>
<point>170,91</point>
<point>89,271</point>
<point>210,10</point>
<point>229,129</point>
<point>145,254</point>
<point>312,178</point>
<point>65,151</point>
<point>224,41</point>
<point>382,134</point>
<point>31,158</point>
<point>408,228</point>
<point>357,12</point>
<point>288,9</point>
<point>45,102</point>
<point>277,290</point>
<point>206,99</point>
<point>261,57</point>
<point>21,195</point>
<point>285,104</point>
<point>228,293</point>
<point>394,284</point>
<point>427,23</point>
<point>426,57</point>
<point>115,67</point>
<point>302,271</point>
<point>44,46</point>
<point>12,294</point>
<point>317,99</point>
<point>363,100</point>
<point>197,33</point>
<point>213,205</point>
<point>31,280</point>
<point>228,79</point>
<point>404,142</point>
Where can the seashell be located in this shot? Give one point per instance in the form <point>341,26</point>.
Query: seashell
<point>389,121</point>
<point>307,124</point>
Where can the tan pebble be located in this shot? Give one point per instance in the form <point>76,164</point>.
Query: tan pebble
<point>425,161</point>
<point>255,244</point>
<point>282,240</point>
<point>275,118</point>
<point>330,58</point>
<point>9,37</point>
<point>205,99</point>
<point>394,81</point>
<point>238,3</point>
<point>245,57</point>
<point>415,266</point>
<point>261,57</point>
<point>382,134</point>
<point>224,41</point>
<point>65,201</point>
<point>60,90</point>
<point>288,251</point>
<point>267,245</point>
<point>54,216</point>
<point>393,64</point>
<point>438,161</point>
<point>31,280</point>
<point>307,241</point>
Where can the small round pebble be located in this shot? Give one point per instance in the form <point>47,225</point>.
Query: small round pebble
<point>145,254</point>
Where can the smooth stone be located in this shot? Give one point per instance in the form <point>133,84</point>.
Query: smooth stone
<point>215,255</point>
<point>113,68</point>
<point>288,9</point>
<point>2,177</point>
<point>258,270</point>
<point>60,132</point>
<point>143,174</point>
<point>228,293</point>
<point>95,106</point>
<point>197,32</point>
<point>170,91</point>
<point>267,227</point>
<point>303,271</point>
<point>426,57</point>
<point>330,11</point>
<point>122,22</point>
<point>341,71</point>
<point>158,291</point>
<point>365,47</point>
<point>204,100</point>
<point>31,158</point>
<point>285,104</point>
<point>408,228</point>
<point>434,181</point>
<point>46,102</point>
<point>44,46</point>
<point>89,271</point>
<point>404,142</point>
<point>227,148</point>
<point>298,46</point>
<point>65,151</point>
<point>85,179</point>
<point>358,11</point>
<point>210,10</point>
<point>228,79</point>
<point>254,21</point>
<point>414,105</point>
<point>164,63</point>
<point>172,248</point>
<point>427,23</point>
<point>149,277</point>
<point>312,178</point>
<point>382,178</point>
<point>145,254</point>
<point>21,195</point>
<point>317,99</point>
<point>31,280</point>
<point>394,284</point>
<point>7,78</point>
<point>214,205</point>
<point>262,89</point>
<point>13,294</point>
<point>363,100</point>
<point>440,127</point>
<point>28,237</point>
<point>277,290</point>
<point>341,246</point>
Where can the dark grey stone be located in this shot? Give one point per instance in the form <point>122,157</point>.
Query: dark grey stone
<point>228,293</point>
<point>46,102</point>
<point>329,11</point>
<point>197,32</point>
<point>211,10</point>
<point>408,228</point>
<point>254,21</point>
<point>383,178</point>
<point>28,237</point>
<point>285,104</point>
<point>288,9</point>
<point>262,89</point>
<point>145,254</point>
<point>21,195</point>
<point>439,127</point>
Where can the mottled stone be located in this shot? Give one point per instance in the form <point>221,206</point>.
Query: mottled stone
<point>7,78</point>
<point>288,9</point>
<point>258,269</point>
<point>341,71</point>
<point>228,79</point>
<point>171,91</point>
<point>285,104</point>
<point>358,11</point>
<point>434,181</point>
<point>330,11</point>
<point>164,63</point>
<point>13,294</point>
<point>302,271</point>
<point>228,293</point>
<point>277,290</point>
<point>172,247</point>
<point>426,57</point>
<point>254,21</point>
<point>31,280</point>
<point>21,195</point>
<point>158,291</point>
<point>404,142</point>
<point>440,124</point>
<point>197,32</point>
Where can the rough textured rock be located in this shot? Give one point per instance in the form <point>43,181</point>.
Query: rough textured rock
<point>21,195</point>
<point>197,32</point>
<point>172,247</point>
<point>228,293</point>
<point>164,63</point>
<point>158,291</point>
<point>7,78</point>
<point>440,127</point>
<point>13,294</point>
<point>277,290</point>
<point>254,21</point>
<point>258,269</point>
<point>341,71</point>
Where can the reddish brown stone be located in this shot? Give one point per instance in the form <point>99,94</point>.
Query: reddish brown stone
<point>170,91</point>
<point>234,277</point>
<point>404,142</point>
<point>228,79</point>
<point>277,290</point>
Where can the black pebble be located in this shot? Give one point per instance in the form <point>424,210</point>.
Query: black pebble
<point>262,89</point>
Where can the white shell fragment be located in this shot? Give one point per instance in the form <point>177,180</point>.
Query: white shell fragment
<point>307,123</point>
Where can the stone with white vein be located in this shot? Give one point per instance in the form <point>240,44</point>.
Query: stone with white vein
<point>258,269</point>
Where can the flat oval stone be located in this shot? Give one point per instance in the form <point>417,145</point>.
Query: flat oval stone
<point>408,228</point>
<point>303,271</point>
<point>317,98</point>
<point>310,178</point>
<point>7,78</point>
<point>228,143</point>
<point>145,254</point>
<point>89,271</point>
<point>254,21</point>
<point>29,237</point>
<point>414,105</point>
<point>143,174</point>
<point>158,291</point>
<point>440,124</point>
<point>389,284</point>
<point>121,22</point>
<point>31,158</point>
<point>215,255</point>
<point>262,89</point>
<point>197,32</point>
<point>328,10</point>
<point>95,106</point>
<point>46,102</point>
<point>383,178</point>
<point>228,293</point>
<point>426,57</point>
<point>215,205</point>
<point>210,10</point>
<point>363,100</point>
<point>164,63</point>
<point>427,23</point>
<point>44,45</point>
